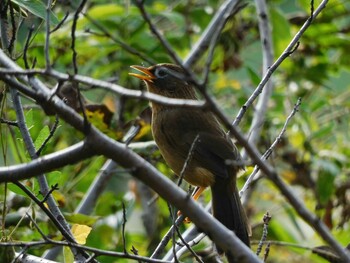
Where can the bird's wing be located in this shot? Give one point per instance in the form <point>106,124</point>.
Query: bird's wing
<point>215,153</point>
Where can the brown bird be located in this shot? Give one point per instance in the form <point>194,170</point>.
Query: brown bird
<point>215,159</point>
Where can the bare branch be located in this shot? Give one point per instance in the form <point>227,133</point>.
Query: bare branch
<point>216,25</point>
<point>92,82</point>
<point>165,240</point>
<point>266,43</point>
<point>188,246</point>
<point>96,188</point>
<point>70,155</point>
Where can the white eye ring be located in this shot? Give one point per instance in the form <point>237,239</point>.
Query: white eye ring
<point>161,72</point>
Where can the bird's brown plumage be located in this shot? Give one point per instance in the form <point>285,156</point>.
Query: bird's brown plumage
<point>215,159</point>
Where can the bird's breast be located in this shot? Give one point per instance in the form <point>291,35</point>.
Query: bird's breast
<point>169,135</point>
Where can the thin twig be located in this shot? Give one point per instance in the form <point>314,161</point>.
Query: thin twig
<point>13,28</point>
<point>266,221</point>
<point>46,211</point>
<point>47,35</point>
<point>187,246</point>
<point>165,240</point>
<point>123,229</point>
<point>173,231</point>
<point>312,9</point>
<point>192,236</point>
<point>57,222</point>
<point>47,195</point>
<point>11,123</point>
<point>123,45</point>
<point>191,243</point>
<point>37,226</point>
<point>267,251</point>
<point>74,26</point>
<point>26,46</point>
<point>188,159</point>
<point>60,23</point>
<point>269,151</point>
<point>155,31</point>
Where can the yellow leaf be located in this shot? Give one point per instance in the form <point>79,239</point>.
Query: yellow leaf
<point>224,82</point>
<point>290,176</point>
<point>80,233</point>
<point>297,139</point>
<point>60,198</point>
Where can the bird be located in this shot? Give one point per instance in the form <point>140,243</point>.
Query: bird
<point>215,160</point>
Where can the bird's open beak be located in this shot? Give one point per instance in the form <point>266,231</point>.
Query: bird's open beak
<point>149,77</point>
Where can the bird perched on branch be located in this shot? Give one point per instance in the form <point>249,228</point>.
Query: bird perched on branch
<point>214,161</point>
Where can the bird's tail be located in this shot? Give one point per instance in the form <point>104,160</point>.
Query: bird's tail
<point>228,209</point>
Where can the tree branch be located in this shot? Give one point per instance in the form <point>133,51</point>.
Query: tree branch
<point>70,155</point>
<point>215,25</point>
<point>267,50</point>
<point>6,73</point>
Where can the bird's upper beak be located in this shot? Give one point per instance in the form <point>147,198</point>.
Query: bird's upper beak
<point>149,77</point>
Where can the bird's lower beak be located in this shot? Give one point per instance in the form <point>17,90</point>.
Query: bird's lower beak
<point>149,77</point>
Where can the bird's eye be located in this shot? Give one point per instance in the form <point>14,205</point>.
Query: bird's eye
<point>160,73</point>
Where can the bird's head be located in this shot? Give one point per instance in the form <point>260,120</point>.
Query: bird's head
<point>168,80</point>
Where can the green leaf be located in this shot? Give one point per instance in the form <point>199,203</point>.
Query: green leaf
<point>324,131</point>
<point>81,219</point>
<point>106,11</point>
<point>15,189</point>
<point>68,255</point>
<point>43,134</point>
<point>280,30</point>
<point>37,8</point>
<point>325,182</point>
<point>325,186</point>
<point>254,77</point>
